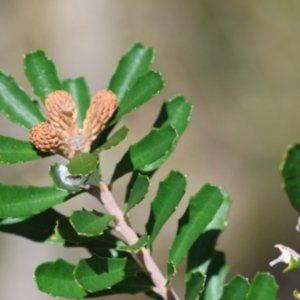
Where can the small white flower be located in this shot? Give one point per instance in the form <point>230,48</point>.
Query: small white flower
<point>298,225</point>
<point>287,254</point>
<point>69,179</point>
<point>296,294</point>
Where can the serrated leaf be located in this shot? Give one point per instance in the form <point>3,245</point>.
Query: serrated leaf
<point>290,171</point>
<point>55,174</point>
<point>79,90</point>
<point>216,275</point>
<point>65,229</point>
<point>17,151</point>
<point>194,286</point>
<point>219,222</point>
<point>202,208</point>
<point>118,137</point>
<point>57,279</point>
<point>134,63</point>
<point>138,192</point>
<point>104,245</point>
<point>176,112</point>
<point>169,194</point>
<point>83,164</point>
<point>99,273</point>
<point>146,87</point>
<point>236,289</point>
<point>263,287</point>
<point>202,250</point>
<point>171,271</point>
<point>89,223</point>
<point>41,73</point>
<point>16,104</point>
<point>22,201</point>
<point>143,240</point>
<point>150,148</point>
<point>38,228</point>
<point>131,285</point>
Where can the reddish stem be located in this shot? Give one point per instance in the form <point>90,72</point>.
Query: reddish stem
<point>143,256</point>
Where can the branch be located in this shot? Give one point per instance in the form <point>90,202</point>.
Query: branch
<point>143,256</point>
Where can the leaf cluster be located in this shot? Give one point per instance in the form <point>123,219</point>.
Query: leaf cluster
<point>28,210</point>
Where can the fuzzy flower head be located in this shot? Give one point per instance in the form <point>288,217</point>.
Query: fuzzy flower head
<point>288,256</point>
<point>61,133</point>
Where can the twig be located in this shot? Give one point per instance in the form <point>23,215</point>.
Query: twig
<point>143,256</point>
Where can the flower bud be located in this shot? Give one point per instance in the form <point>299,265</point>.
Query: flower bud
<point>46,138</point>
<point>102,107</point>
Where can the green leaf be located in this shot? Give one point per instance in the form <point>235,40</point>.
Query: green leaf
<point>99,273</point>
<point>64,287</point>
<point>83,164</point>
<point>16,151</point>
<point>263,287</point>
<point>169,194</point>
<point>65,229</point>
<point>38,228</point>
<point>130,285</point>
<point>150,148</point>
<point>79,90</point>
<point>138,192</point>
<point>22,201</point>
<point>89,223</point>
<point>216,274</point>
<point>143,240</point>
<point>16,104</point>
<point>41,73</point>
<point>194,286</point>
<point>236,289</point>
<point>118,137</point>
<point>104,245</point>
<point>57,279</point>
<point>134,63</point>
<point>176,112</point>
<point>202,208</point>
<point>131,66</point>
<point>146,87</point>
<point>171,271</point>
<point>202,250</point>
<point>290,170</point>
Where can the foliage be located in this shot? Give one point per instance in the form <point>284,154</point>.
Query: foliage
<point>115,265</point>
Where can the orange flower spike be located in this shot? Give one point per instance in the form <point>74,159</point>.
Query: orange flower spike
<point>102,107</point>
<point>62,134</point>
<point>46,138</point>
<point>61,112</point>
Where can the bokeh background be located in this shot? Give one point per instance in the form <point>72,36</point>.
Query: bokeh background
<point>238,62</point>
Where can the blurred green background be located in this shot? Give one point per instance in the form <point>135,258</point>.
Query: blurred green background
<point>238,62</point>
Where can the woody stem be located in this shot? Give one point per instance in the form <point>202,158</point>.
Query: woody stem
<point>143,256</point>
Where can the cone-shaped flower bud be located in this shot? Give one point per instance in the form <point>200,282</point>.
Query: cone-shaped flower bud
<point>62,134</point>
<point>61,112</point>
<point>102,107</point>
<point>46,138</point>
